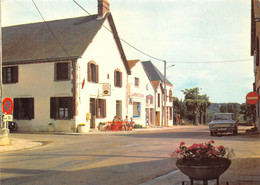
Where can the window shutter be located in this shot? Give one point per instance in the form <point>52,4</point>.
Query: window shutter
<point>115,78</point>
<point>53,109</point>
<point>4,74</point>
<point>71,107</point>
<point>55,71</point>
<point>97,74</point>
<point>89,72</point>
<point>16,108</point>
<point>97,107</point>
<point>15,74</point>
<point>120,79</point>
<point>69,76</point>
<point>105,108</point>
<point>31,108</point>
<point>257,51</point>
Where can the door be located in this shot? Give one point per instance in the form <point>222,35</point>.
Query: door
<point>151,116</point>
<point>118,109</point>
<point>92,108</point>
<point>157,118</point>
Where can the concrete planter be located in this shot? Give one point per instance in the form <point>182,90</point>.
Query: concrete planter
<point>82,129</point>
<point>51,128</point>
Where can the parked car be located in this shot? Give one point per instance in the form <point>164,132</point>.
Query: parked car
<point>223,122</point>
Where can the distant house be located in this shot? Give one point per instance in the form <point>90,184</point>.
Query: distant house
<point>140,95</point>
<point>157,80</point>
<point>74,73</point>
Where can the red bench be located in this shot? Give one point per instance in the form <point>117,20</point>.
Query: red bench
<point>118,126</point>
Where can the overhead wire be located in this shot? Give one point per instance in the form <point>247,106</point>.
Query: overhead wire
<point>127,43</point>
<point>144,53</point>
<point>50,29</point>
<point>156,58</point>
<point>210,62</point>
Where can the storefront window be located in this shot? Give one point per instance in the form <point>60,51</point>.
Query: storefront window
<point>136,109</point>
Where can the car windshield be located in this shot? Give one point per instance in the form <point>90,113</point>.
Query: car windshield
<point>222,117</point>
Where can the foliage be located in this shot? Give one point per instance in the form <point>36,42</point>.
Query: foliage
<point>248,111</point>
<point>138,126</point>
<point>230,108</point>
<point>197,104</point>
<point>82,124</point>
<point>202,153</point>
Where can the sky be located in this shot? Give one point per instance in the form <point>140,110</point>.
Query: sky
<point>207,41</point>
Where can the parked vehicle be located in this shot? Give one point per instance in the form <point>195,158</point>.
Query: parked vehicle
<point>223,122</point>
<point>12,126</point>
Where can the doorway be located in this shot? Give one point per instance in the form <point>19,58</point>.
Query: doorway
<point>92,108</point>
<point>118,108</point>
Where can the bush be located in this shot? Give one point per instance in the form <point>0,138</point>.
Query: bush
<point>138,126</point>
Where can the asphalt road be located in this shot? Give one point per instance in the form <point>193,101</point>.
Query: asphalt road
<point>107,159</point>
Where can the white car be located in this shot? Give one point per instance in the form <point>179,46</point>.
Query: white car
<point>223,122</point>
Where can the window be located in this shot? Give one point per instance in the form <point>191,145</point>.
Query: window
<point>171,113</point>
<point>170,96</point>
<point>118,78</point>
<point>61,108</point>
<point>10,74</point>
<point>23,108</point>
<point>101,108</point>
<point>136,109</point>
<point>136,82</point>
<point>62,71</point>
<point>149,99</point>
<point>93,72</point>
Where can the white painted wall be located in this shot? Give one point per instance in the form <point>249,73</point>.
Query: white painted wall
<point>138,94</point>
<point>103,50</point>
<point>37,81</point>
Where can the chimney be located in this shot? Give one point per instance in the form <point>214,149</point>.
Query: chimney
<point>103,7</point>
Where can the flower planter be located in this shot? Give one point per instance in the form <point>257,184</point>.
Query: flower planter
<point>82,129</point>
<point>204,172</point>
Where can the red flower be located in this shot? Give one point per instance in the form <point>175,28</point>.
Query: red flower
<point>178,151</point>
<point>194,146</point>
<point>215,152</point>
<point>221,147</point>
<point>205,146</point>
<point>198,151</point>
<point>182,143</point>
<point>211,142</point>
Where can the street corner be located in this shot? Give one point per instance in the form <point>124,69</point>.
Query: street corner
<point>243,171</point>
<point>20,144</point>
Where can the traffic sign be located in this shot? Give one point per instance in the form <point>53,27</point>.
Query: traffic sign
<point>252,98</point>
<point>7,105</point>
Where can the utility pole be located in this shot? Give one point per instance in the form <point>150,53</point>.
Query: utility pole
<point>164,95</point>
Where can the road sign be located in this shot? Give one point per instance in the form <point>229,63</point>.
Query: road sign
<point>7,105</point>
<point>252,98</point>
<point>8,118</point>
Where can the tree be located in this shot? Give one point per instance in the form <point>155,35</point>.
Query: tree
<point>180,109</point>
<point>230,108</point>
<point>205,103</point>
<point>248,111</point>
<point>192,102</point>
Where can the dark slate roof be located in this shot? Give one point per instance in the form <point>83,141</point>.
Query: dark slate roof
<point>153,72</point>
<point>33,42</point>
